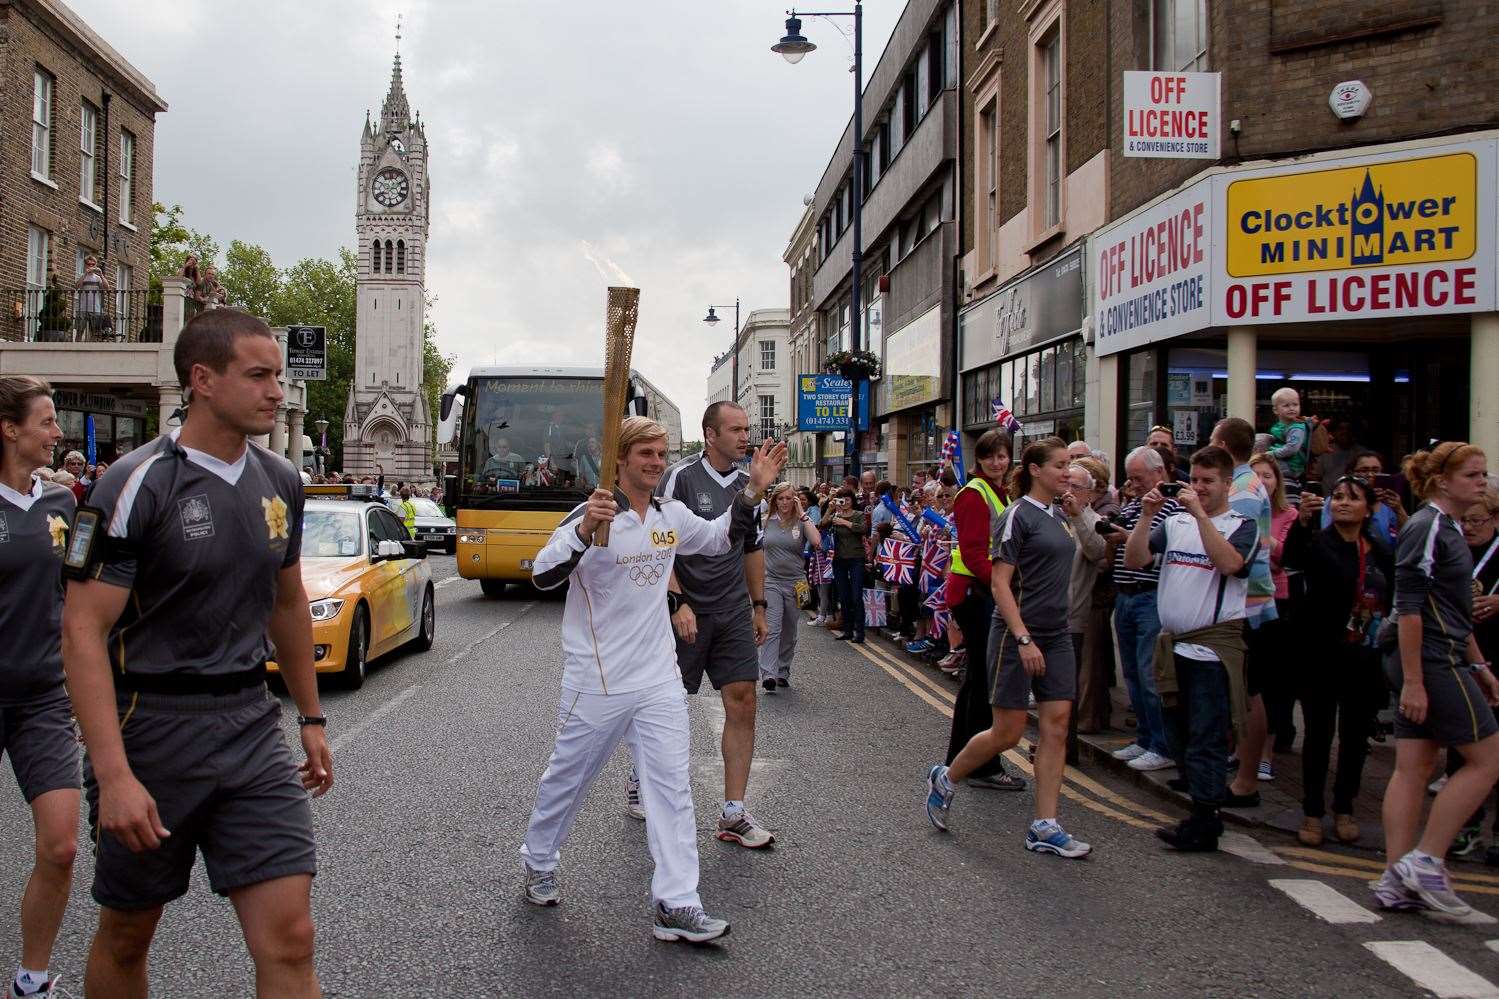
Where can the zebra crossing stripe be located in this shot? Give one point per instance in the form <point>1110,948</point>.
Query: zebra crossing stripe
<point>1324,901</point>
<point>1432,970</point>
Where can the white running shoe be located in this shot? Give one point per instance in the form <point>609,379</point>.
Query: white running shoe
<point>744,830</point>
<point>1129,752</point>
<point>633,808</point>
<point>688,923</point>
<point>1147,761</point>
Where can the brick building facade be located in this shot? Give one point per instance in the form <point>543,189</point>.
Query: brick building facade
<point>60,78</point>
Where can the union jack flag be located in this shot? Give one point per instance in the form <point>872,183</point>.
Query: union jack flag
<point>937,603</point>
<point>897,561</point>
<point>1004,417</point>
<point>934,563</point>
<point>950,445</point>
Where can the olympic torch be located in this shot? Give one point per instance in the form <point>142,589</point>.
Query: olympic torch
<point>619,342</point>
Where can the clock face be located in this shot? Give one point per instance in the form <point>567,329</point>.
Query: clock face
<point>390,188</point>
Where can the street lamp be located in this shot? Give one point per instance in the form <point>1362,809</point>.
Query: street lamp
<point>712,320</point>
<point>322,448</point>
<point>793,46</point>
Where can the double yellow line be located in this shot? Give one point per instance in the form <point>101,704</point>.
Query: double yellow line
<point>1076,785</point>
<point>1106,802</point>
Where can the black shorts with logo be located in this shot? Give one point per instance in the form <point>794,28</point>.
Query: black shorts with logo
<point>225,784</point>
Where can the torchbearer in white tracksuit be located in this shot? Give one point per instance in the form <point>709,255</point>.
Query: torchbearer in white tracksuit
<point>620,679</point>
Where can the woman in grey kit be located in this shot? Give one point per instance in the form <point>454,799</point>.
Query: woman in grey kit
<point>788,530</point>
<point>36,718</point>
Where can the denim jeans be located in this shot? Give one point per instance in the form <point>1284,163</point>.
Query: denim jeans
<point>848,577</point>
<point>1137,625</point>
<point>1202,740</point>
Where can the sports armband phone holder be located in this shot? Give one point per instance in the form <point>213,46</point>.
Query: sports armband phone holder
<point>84,543</point>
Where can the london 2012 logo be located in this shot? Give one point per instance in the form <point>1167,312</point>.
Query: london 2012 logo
<point>1395,213</point>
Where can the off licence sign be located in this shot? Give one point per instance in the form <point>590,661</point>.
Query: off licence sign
<point>307,353</point>
<point>1171,115</point>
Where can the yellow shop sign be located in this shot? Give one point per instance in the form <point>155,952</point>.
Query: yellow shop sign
<point>1393,214</point>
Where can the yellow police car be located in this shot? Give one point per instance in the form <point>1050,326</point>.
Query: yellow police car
<point>367,582</point>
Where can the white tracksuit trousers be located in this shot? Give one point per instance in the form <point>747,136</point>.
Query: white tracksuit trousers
<point>589,727</point>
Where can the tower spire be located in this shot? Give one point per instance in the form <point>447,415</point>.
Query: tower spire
<point>396,113</point>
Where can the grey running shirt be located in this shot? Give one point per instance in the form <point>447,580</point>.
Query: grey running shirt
<point>1434,578</point>
<point>33,535</point>
<point>1038,542</point>
<point>712,584</point>
<point>783,550</point>
<point>199,553</point>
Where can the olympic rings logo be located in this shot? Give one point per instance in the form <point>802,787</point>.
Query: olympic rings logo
<point>648,574</point>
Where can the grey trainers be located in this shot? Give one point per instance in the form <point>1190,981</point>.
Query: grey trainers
<point>633,808</point>
<point>689,923</point>
<point>1427,880</point>
<point>541,887</point>
<point>744,830</point>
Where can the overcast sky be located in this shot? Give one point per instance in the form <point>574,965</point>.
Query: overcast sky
<point>662,133</point>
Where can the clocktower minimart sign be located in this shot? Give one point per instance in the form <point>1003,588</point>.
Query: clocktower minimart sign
<point>1398,233</point>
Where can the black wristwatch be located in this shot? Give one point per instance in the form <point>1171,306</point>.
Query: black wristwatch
<point>759,605</point>
<point>317,720</point>
<point>675,602</point>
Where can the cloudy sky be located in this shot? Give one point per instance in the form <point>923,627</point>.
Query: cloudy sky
<point>662,134</point>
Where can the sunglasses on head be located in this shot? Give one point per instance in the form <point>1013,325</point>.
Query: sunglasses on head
<point>1158,429</point>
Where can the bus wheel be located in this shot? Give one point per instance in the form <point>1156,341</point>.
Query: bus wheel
<point>492,587</point>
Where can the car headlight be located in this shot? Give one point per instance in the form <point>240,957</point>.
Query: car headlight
<point>472,538</point>
<point>324,610</point>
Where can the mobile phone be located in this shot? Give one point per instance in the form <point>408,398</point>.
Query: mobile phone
<point>1169,489</point>
<point>1383,481</point>
<point>1312,488</point>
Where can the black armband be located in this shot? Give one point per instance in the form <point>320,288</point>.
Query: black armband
<point>86,542</point>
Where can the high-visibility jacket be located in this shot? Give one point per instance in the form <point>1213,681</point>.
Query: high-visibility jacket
<point>996,507</point>
<point>408,515</point>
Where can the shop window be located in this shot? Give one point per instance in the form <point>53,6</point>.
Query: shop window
<point>1079,373</point>
<point>1048,394</point>
<point>1064,376</point>
<point>1140,399</point>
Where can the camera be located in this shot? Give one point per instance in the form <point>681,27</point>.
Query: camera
<point>1170,490</point>
<point>1108,525</point>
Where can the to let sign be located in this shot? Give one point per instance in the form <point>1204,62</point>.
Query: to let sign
<point>1171,115</point>
<point>306,353</point>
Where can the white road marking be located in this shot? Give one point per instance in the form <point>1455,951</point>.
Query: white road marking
<point>1248,848</point>
<point>1324,901</point>
<point>405,695</point>
<point>450,581</point>
<point>1492,944</point>
<point>1432,970</point>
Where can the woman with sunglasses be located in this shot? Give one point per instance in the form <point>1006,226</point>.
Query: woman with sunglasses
<point>1349,573</point>
<point>1444,682</point>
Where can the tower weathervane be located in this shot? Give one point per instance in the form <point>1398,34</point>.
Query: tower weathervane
<point>398,32</point>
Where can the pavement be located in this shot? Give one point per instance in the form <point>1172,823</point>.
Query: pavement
<point>436,763</point>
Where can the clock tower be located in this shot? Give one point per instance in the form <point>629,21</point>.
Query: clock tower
<point>386,422</point>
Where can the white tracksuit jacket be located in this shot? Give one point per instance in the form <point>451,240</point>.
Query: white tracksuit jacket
<point>616,629</point>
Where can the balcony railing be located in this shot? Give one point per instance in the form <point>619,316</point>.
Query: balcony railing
<point>41,315</point>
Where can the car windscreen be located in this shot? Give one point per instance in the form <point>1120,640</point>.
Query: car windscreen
<point>331,534</point>
<point>426,508</point>
<point>533,437</point>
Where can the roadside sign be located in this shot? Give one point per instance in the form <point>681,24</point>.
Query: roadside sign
<point>306,353</point>
<point>1172,115</point>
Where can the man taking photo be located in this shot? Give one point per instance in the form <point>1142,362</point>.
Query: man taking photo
<point>1205,550</point>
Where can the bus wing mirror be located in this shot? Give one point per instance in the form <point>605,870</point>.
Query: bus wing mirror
<point>447,404</point>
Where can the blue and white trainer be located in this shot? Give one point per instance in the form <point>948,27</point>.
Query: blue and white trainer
<point>1427,880</point>
<point>1050,837</point>
<point>1392,895</point>
<point>541,887</point>
<point>938,796</point>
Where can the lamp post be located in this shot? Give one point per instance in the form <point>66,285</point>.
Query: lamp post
<point>712,320</point>
<point>322,445</point>
<point>794,46</point>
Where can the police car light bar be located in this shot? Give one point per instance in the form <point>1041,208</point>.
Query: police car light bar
<point>342,490</point>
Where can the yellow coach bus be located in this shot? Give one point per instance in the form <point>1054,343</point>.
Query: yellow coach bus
<point>528,448</point>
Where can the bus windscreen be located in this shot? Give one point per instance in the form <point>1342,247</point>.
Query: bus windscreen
<point>535,437</point>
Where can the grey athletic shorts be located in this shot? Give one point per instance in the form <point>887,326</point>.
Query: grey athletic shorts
<point>725,649</point>
<point>42,743</point>
<point>1456,713</point>
<point>1009,683</point>
<point>224,782</point>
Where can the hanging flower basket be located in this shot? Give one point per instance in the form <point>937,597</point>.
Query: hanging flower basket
<point>853,364</point>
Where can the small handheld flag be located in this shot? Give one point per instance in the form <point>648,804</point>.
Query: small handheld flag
<point>897,561</point>
<point>1004,417</point>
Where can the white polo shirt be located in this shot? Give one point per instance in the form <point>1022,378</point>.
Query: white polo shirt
<point>616,629</point>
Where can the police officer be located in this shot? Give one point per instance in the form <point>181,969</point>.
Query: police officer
<point>36,720</point>
<point>187,558</point>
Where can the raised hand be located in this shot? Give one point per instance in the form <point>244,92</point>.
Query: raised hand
<point>766,464</point>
